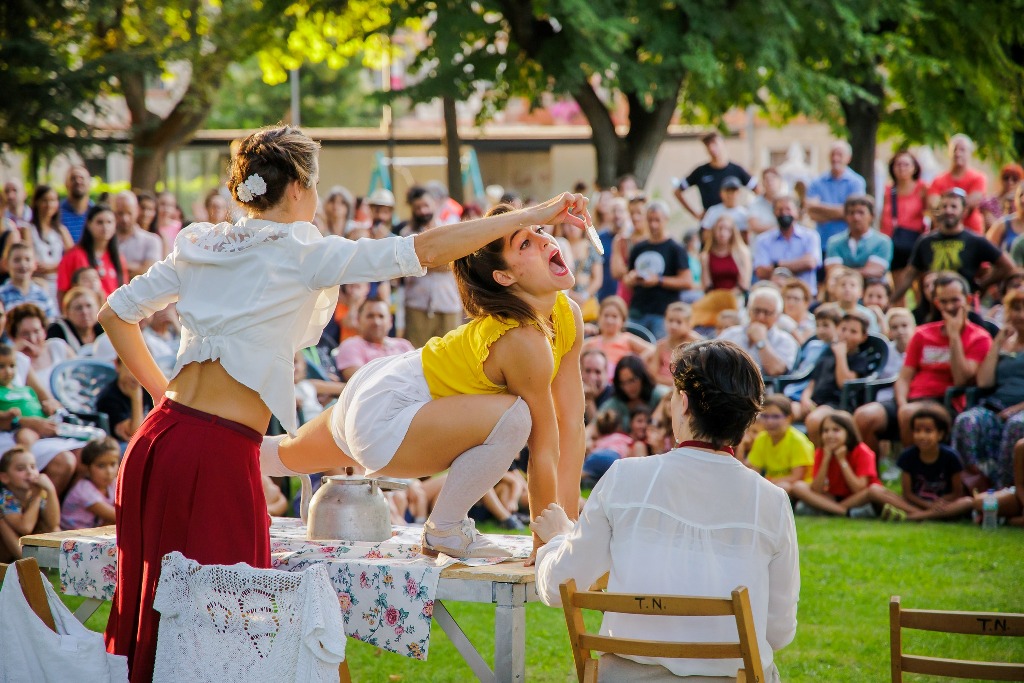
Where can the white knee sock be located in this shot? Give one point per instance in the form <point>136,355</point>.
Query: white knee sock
<point>476,471</point>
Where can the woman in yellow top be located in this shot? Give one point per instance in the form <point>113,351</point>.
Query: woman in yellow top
<point>470,400</point>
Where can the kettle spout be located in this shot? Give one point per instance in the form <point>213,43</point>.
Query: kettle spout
<point>307,493</point>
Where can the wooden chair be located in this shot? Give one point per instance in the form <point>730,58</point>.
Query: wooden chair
<point>32,586</point>
<point>971,623</point>
<point>583,643</point>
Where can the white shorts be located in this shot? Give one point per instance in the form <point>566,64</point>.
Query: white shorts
<point>373,414</point>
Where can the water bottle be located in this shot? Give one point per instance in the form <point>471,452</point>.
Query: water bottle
<point>989,511</point>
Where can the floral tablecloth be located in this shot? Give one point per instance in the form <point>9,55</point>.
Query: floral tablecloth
<point>386,590</point>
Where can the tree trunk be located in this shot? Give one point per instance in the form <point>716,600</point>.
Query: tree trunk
<point>453,145</point>
<point>148,165</point>
<point>862,120</point>
<point>607,144</point>
<point>647,130</point>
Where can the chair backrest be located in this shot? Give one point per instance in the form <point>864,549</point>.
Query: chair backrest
<point>640,331</point>
<point>220,622</point>
<point>77,383</point>
<point>583,643</point>
<point>32,586</point>
<point>971,623</point>
<point>878,353</point>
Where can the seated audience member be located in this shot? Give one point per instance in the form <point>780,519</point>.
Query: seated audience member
<point>931,479</point>
<point>89,278</point>
<point>162,334</point>
<point>877,297</point>
<point>80,325</point>
<point>730,206</point>
<point>613,339</point>
<point>610,443</point>
<point>985,435</point>
<point>678,331</point>
<point>843,468</point>
<point>311,395</point>
<point>659,429</point>
<point>724,320</point>
<point>845,359</point>
<point>90,502</point>
<point>780,452</point>
<point>139,248</point>
<point>658,272</point>
<point>826,331</point>
<point>96,248</point>
<point>596,389</point>
<point>797,318</point>
<point>939,355</point>
<point>642,506</point>
<point>772,349</point>
<point>860,247</point>
<point>371,342</point>
<point>26,326</point>
<point>691,243</point>
<point>726,271</point>
<point>790,245</point>
<point>124,402</point>
<point>1014,280</point>
<point>847,289</point>
<point>21,288</point>
<point>29,503</point>
<point>1010,500</point>
<point>901,326</point>
<point>632,388</point>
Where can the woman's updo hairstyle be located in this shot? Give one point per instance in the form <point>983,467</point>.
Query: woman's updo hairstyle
<point>724,387</point>
<point>481,294</point>
<point>278,156</point>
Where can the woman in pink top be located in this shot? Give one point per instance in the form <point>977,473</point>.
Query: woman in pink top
<point>168,219</point>
<point>903,209</point>
<point>90,502</point>
<point>613,340</point>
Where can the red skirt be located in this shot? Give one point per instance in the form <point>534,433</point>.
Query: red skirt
<point>190,482</point>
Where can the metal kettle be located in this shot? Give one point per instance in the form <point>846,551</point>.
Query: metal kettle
<point>350,508</point>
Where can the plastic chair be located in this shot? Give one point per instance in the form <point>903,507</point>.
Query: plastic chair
<point>776,383</point>
<point>32,586</point>
<point>583,643</point>
<point>237,623</point>
<point>77,384</point>
<point>640,331</point>
<point>970,623</point>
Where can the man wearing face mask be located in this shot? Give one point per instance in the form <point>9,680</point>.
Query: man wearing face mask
<point>951,247</point>
<point>790,246</point>
<point>432,303</point>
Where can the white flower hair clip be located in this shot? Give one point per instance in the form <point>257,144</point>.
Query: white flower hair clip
<point>253,186</point>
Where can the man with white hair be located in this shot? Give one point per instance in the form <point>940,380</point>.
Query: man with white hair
<point>827,194</point>
<point>658,271</point>
<point>773,349</point>
<point>15,209</point>
<point>139,249</point>
<point>960,174</point>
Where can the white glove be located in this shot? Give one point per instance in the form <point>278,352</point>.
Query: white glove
<point>270,458</point>
<point>551,522</point>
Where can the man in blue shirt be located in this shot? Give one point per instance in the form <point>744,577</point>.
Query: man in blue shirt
<point>859,247</point>
<point>826,195</point>
<point>77,203</point>
<point>790,245</point>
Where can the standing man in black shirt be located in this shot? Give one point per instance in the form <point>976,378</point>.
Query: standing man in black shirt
<point>658,271</point>
<point>708,177</point>
<point>952,247</point>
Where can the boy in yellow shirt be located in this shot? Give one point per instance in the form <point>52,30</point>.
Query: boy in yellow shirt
<point>781,453</point>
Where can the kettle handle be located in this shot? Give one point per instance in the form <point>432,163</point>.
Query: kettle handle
<point>307,493</point>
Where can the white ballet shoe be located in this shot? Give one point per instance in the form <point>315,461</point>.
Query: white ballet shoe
<point>461,540</point>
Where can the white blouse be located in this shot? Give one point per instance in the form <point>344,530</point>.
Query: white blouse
<point>251,294</point>
<point>687,522</point>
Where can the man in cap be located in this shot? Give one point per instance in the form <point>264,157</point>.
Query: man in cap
<point>382,212</point>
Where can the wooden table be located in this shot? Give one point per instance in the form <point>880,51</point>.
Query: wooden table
<point>508,586</point>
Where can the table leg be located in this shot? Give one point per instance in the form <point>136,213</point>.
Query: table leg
<point>510,633</point>
<point>87,608</point>
<point>454,632</point>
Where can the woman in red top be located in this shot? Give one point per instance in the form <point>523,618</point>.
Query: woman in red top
<point>904,207</point>
<point>844,468</point>
<point>725,261</point>
<point>96,248</point>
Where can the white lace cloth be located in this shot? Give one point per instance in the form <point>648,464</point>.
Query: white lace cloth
<point>253,293</point>
<point>235,623</point>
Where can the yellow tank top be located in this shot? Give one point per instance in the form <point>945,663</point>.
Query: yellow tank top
<point>454,364</point>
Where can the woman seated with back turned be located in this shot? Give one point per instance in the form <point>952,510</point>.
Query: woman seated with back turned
<point>693,521</point>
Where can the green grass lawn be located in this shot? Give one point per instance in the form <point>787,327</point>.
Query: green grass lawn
<point>849,568</point>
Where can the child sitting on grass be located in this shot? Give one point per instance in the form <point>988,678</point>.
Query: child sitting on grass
<point>90,502</point>
<point>28,502</point>
<point>843,467</point>
<point>678,330</point>
<point>781,453</point>
<point>846,358</point>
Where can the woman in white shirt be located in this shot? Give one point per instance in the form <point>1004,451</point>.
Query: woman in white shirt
<point>248,296</point>
<point>693,521</point>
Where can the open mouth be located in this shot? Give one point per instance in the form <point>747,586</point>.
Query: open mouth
<point>556,265</point>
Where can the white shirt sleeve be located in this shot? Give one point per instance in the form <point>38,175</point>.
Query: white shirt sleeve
<point>148,293</point>
<point>583,554</point>
<point>339,260</point>
<point>783,586</point>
